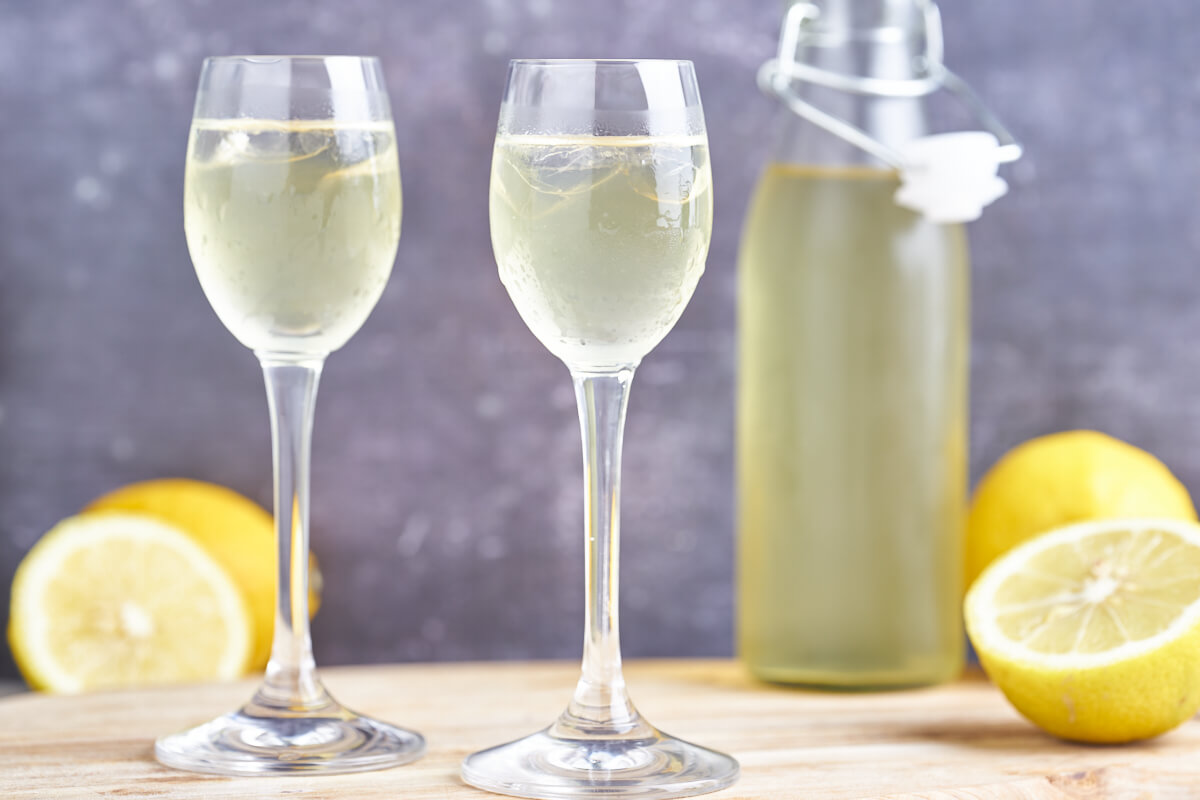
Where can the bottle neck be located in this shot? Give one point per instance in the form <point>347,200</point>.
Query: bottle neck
<point>864,38</point>
<point>865,29</point>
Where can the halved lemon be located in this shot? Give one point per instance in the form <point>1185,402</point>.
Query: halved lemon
<point>234,529</point>
<point>1093,631</point>
<point>113,599</point>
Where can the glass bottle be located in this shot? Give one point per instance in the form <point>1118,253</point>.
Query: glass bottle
<point>853,366</point>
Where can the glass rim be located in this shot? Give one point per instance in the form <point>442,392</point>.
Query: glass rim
<point>574,62</point>
<point>269,59</point>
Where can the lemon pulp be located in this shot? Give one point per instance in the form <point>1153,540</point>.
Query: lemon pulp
<point>233,529</point>
<point>111,599</point>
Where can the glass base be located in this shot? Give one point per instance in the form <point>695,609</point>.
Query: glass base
<point>244,743</point>
<point>547,766</point>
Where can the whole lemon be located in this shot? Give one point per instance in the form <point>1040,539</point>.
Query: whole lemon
<point>1062,478</point>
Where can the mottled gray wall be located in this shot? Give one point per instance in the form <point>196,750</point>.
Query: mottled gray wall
<point>447,499</point>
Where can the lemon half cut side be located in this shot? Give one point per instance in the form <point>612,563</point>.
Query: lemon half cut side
<point>111,599</point>
<point>1093,631</point>
<point>235,530</point>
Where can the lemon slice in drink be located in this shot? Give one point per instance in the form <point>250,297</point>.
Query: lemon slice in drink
<point>113,599</point>
<point>1093,631</point>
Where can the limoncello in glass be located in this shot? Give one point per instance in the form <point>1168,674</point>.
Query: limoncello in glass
<point>852,390</point>
<point>600,240</point>
<point>292,226</point>
<point>601,210</point>
<point>292,215</point>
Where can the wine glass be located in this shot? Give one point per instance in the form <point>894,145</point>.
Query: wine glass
<point>292,214</point>
<point>601,212</point>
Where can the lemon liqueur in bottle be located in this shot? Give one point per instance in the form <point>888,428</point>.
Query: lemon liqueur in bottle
<point>852,387</point>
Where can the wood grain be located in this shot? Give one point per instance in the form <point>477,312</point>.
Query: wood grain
<point>957,742</point>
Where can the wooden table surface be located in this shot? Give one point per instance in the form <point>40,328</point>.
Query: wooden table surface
<point>956,741</point>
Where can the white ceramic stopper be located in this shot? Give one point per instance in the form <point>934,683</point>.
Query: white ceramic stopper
<point>950,177</point>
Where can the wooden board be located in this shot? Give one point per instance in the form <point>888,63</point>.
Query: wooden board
<point>959,741</point>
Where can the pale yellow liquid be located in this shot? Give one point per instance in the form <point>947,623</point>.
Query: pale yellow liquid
<point>852,441</point>
<point>292,227</point>
<point>600,240</point>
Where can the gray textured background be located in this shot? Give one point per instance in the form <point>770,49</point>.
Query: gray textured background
<point>447,500</point>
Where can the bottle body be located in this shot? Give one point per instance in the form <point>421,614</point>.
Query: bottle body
<point>852,399</point>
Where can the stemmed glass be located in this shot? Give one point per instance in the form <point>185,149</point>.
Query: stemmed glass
<point>601,212</point>
<point>292,214</point>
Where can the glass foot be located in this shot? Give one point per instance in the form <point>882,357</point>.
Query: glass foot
<point>244,743</point>
<point>544,765</point>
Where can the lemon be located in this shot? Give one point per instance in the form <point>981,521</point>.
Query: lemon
<point>112,599</point>
<point>1062,478</point>
<point>234,529</point>
<point>1093,631</point>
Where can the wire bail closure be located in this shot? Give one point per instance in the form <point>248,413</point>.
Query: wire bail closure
<point>776,76</point>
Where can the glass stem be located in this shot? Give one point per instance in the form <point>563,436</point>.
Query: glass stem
<point>600,705</point>
<point>291,683</point>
